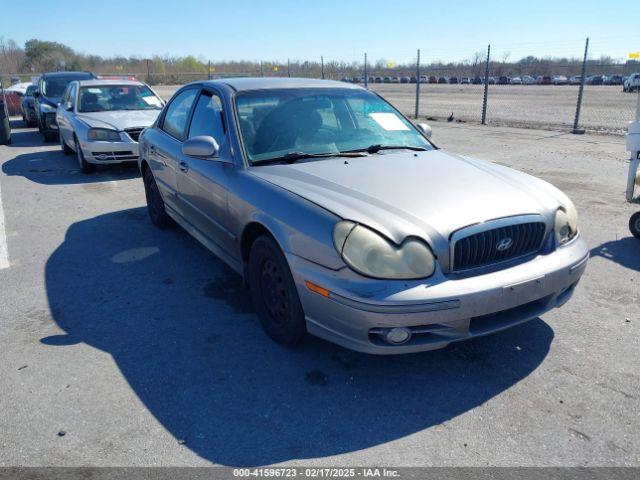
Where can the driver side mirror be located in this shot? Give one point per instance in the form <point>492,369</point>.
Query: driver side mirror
<point>36,94</point>
<point>201,146</point>
<point>425,129</point>
<point>68,106</point>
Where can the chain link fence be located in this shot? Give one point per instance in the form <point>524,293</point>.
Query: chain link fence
<point>532,94</point>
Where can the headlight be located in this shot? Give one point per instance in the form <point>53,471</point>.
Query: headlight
<point>103,135</point>
<point>46,108</point>
<point>370,254</point>
<point>566,226</point>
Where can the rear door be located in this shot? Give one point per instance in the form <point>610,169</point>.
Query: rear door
<point>203,182</point>
<point>164,149</point>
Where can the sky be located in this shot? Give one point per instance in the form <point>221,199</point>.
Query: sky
<point>277,30</point>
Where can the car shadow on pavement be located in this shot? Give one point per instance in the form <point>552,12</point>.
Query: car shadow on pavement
<point>53,167</point>
<point>180,328</point>
<point>625,252</point>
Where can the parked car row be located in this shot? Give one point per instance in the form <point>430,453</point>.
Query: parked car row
<point>98,119</point>
<point>275,177</point>
<point>506,80</point>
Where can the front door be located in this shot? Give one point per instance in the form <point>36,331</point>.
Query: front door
<point>203,182</point>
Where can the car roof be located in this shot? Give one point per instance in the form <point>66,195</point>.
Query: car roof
<point>261,83</point>
<point>67,74</point>
<point>103,82</point>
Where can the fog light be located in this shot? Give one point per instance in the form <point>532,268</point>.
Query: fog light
<point>397,335</point>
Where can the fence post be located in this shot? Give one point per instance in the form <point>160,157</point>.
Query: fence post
<point>418,85</point>
<point>576,120</point>
<point>486,87</point>
<point>288,68</point>
<point>322,66</point>
<point>366,78</point>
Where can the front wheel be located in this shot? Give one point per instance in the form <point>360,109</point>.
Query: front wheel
<point>85,167</point>
<point>274,293</point>
<point>634,224</point>
<point>65,148</point>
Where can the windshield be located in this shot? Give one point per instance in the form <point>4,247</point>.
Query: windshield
<point>103,98</point>
<point>54,86</point>
<point>274,123</point>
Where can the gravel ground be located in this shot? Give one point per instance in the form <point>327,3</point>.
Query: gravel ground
<point>604,109</point>
<point>125,345</point>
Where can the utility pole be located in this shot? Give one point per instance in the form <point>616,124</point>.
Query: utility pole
<point>261,69</point>
<point>322,66</point>
<point>209,71</point>
<point>418,85</point>
<point>576,120</point>
<point>288,68</point>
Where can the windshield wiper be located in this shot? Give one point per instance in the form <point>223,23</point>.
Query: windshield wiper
<point>292,157</point>
<point>375,148</point>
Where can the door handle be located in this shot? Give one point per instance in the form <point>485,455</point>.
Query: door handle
<point>183,166</point>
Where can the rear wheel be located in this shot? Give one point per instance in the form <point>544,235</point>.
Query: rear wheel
<point>274,293</point>
<point>85,167</point>
<point>634,224</point>
<point>155,204</point>
<point>50,137</point>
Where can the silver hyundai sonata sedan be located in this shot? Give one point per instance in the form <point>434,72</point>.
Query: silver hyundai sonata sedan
<point>346,222</point>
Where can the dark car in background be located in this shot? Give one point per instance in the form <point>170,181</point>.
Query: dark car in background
<point>47,95</point>
<point>503,80</point>
<point>433,79</point>
<point>453,80</point>
<point>27,107</point>
<point>594,80</point>
<point>443,80</point>
<point>613,80</point>
<point>477,80</point>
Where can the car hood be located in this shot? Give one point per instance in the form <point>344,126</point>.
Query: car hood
<point>119,119</point>
<point>426,194</point>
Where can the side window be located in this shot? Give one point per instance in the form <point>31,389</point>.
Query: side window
<point>175,120</point>
<point>65,96</point>
<point>208,118</point>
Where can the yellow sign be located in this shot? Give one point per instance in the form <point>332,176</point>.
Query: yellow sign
<point>391,64</point>
<point>212,69</point>
<point>635,55</point>
<point>275,69</point>
<point>118,68</point>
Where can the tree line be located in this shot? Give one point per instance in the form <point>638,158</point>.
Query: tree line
<point>38,56</point>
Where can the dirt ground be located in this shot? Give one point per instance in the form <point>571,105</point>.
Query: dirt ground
<point>604,108</point>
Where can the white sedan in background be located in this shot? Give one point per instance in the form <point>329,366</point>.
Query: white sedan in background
<point>101,120</point>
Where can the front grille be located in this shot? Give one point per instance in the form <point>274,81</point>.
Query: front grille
<point>488,247</point>
<point>118,155</point>
<point>134,133</point>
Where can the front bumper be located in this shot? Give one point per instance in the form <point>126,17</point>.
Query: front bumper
<point>438,310</point>
<point>104,153</point>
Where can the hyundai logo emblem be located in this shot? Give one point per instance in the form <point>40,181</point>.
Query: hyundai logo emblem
<point>504,244</point>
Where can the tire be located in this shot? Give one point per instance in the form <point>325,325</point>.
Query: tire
<point>274,293</point>
<point>155,204</point>
<point>634,225</point>
<point>85,167</point>
<point>50,137</point>
<point>65,148</point>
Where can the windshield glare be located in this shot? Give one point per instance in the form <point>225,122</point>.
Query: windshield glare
<point>319,120</point>
<point>54,87</point>
<point>104,98</point>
